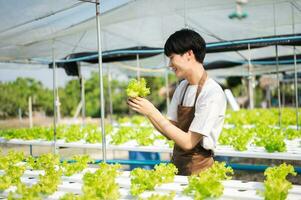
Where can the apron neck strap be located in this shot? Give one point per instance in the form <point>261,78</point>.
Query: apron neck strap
<point>184,94</point>
<point>200,86</point>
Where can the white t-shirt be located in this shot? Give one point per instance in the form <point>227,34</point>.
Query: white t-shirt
<point>210,110</point>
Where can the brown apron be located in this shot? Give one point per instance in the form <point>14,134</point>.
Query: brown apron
<point>198,158</point>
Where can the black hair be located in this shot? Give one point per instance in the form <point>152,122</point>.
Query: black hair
<point>184,40</point>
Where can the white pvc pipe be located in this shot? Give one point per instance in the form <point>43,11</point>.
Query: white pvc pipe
<point>54,100</point>
<point>278,87</point>
<point>82,94</point>
<point>102,106</point>
<point>30,120</point>
<point>250,80</point>
<point>277,68</point>
<point>30,111</point>
<point>82,83</point>
<point>138,66</point>
<point>295,71</point>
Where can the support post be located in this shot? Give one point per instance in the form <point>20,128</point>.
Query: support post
<point>55,103</point>
<point>138,67</point>
<point>30,119</point>
<point>30,111</point>
<point>295,72</point>
<point>102,107</point>
<point>82,92</point>
<point>278,88</point>
<point>250,81</point>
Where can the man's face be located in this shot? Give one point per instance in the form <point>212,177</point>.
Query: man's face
<point>179,64</point>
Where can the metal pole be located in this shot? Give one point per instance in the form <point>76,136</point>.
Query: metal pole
<point>82,80</point>
<point>102,106</point>
<point>82,91</point>
<point>296,89</point>
<point>295,70</point>
<point>58,106</point>
<point>250,81</point>
<point>54,100</point>
<point>283,94</point>
<point>30,119</point>
<point>20,114</point>
<point>278,87</point>
<point>138,66</point>
<point>277,68</point>
<point>110,94</point>
<point>30,111</point>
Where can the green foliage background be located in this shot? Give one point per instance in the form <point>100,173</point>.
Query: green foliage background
<point>14,95</point>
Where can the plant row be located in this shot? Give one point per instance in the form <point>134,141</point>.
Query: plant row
<point>102,184</point>
<point>272,139</point>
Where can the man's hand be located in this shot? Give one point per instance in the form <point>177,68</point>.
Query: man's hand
<point>141,105</point>
<point>186,140</point>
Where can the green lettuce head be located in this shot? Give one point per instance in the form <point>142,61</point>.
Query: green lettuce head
<point>137,88</point>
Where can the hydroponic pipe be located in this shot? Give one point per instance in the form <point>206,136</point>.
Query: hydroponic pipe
<point>235,166</point>
<point>295,70</point>
<point>272,40</point>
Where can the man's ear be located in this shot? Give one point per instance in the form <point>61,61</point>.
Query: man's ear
<point>190,54</point>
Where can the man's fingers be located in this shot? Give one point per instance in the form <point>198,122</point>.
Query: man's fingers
<point>136,101</point>
<point>130,99</point>
<point>139,98</point>
<point>132,104</point>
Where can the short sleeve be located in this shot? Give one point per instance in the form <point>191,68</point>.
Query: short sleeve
<point>207,114</point>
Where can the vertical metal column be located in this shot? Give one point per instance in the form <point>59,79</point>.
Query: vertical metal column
<point>82,80</point>
<point>54,100</point>
<point>283,94</point>
<point>58,106</point>
<point>278,87</point>
<point>30,120</point>
<point>295,72</point>
<point>250,81</point>
<point>20,114</point>
<point>277,68</point>
<point>102,107</point>
<point>30,111</point>
<point>82,92</point>
<point>138,67</point>
<point>296,89</point>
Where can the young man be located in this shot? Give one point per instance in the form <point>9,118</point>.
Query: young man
<point>197,110</point>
